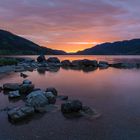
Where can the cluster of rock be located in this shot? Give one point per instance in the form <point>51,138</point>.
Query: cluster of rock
<point>37,100</point>
<point>53,64</point>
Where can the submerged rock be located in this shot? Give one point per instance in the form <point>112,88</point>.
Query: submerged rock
<point>41,58</point>
<point>20,113</point>
<point>26,88</point>
<point>37,99</point>
<point>89,113</point>
<point>53,90</point>
<point>71,106</point>
<point>13,94</point>
<point>62,97</point>
<point>124,65</point>
<point>11,86</point>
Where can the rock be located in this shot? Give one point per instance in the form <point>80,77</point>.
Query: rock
<point>124,65</point>
<point>89,113</point>
<point>14,94</point>
<point>63,97</point>
<point>71,106</point>
<point>27,81</point>
<point>53,90</point>
<point>1,88</point>
<point>76,63</point>
<point>38,100</point>
<point>88,63</point>
<point>29,68</point>
<point>66,63</point>
<point>11,86</point>
<point>51,98</point>
<point>53,60</point>
<point>41,70</point>
<point>103,64</point>
<point>23,75</point>
<point>19,69</point>
<point>20,113</point>
<point>84,63</point>
<point>53,68</point>
<point>26,88</point>
<point>41,59</point>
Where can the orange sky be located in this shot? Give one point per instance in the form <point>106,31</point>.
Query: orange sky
<point>71,25</point>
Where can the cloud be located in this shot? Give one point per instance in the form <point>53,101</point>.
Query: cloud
<point>71,20</point>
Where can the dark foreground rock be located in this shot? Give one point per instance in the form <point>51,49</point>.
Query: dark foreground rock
<point>26,88</point>
<point>51,97</point>
<point>27,81</point>
<point>11,86</point>
<point>14,94</point>
<point>20,113</point>
<point>71,106</point>
<point>53,90</point>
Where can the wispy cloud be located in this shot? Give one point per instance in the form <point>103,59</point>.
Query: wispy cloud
<point>80,23</point>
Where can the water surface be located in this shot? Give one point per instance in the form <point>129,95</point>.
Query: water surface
<point>115,93</point>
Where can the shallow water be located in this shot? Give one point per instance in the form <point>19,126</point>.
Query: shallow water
<point>115,93</point>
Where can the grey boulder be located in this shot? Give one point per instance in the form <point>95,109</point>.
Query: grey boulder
<point>20,113</point>
<point>37,99</point>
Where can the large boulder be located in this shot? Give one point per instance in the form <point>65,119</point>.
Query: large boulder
<point>51,98</point>
<point>53,90</point>
<point>88,63</point>
<point>53,60</point>
<point>11,86</point>
<point>66,63</point>
<point>20,113</point>
<point>26,88</point>
<point>37,99</point>
<point>13,94</point>
<point>41,59</point>
<point>71,106</point>
<point>84,63</point>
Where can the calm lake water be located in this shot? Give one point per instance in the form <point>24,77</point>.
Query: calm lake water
<point>115,93</point>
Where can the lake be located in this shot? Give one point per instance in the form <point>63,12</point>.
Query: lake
<point>115,93</point>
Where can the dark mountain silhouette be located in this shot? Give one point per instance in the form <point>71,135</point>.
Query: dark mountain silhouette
<point>13,44</point>
<point>126,47</point>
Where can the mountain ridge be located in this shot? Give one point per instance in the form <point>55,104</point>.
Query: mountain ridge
<point>14,44</point>
<point>125,47</point>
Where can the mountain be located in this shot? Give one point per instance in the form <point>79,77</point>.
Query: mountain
<point>13,44</point>
<point>126,47</point>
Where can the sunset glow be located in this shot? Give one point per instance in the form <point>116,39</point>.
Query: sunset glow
<point>71,25</point>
